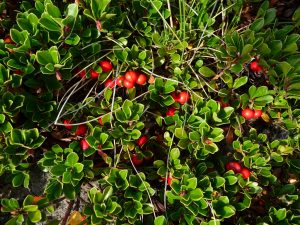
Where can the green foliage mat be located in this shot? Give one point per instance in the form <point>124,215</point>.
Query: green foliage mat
<point>208,134</point>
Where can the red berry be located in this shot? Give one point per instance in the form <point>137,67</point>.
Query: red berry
<point>131,76</point>
<point>80,72</point>
<point>128,84</point>
<point>67,126</point>
<point>100,121</point>
<point>245,173</point>
<point>142,140</point>
<point>171,111</point>
<point>8,40</point>
<point>120,81</point>
<point>248,114</point>
<point>136,161</point>
<point>259,69</point>
<point>142,78</point>
<point>106,66</point>
<point>109,83</point>
<point>36,199</point>
<point>94,74</point>
<point>84,144</point>
<point>175,96</point>
<point>257,113</point>
<point>81,130</point>
<point>169,180</point>
<point>183,97</point>
<point>254,66</point>
<point>235,166</point>
<point>19,72</point>
<point>222,103</point>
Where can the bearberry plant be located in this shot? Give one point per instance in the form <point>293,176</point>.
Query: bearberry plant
<point>149,112</point>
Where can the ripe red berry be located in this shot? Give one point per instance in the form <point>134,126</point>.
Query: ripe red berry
<point>84,145</point>
<point>245,173</point>
<point>128,84</point>
<point>67,126</point>
<point>120,81</point>
<point>175,96</point>
<point>254,66</point>
<point>235,166</point>
<point>142,140</point>
<point>248,114</point>
<point>142,78</point>
<point>106,66</point>
<point>81,130</point>
<point>100,121</point>
<point>183,97</point>
<point>257,113</point>
<point>94,74</point>
<point>171,111</point>
<point>169,180</point>
<point>131,76</point>
<point>109,83</point>
<point>81,73</point>
<point>136,161</point>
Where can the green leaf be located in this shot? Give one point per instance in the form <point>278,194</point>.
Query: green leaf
<point>207,72</point>
<point>247,49</point>
<point>270,16</point>
<point>18,180</point>
<point>160,220</point>
<point>180,133</point>
<point>196,194</point>
<point>72,158</point>
<point>48,23</point>
<point>98,7</point>
<point>107,193</point>
<point>73,39</point>
<point>58,170</point>
<point>174,154</point>
<point>281,214</point>
<point>30,208</point>
<point>78,167</point>
<point>240,82</point>
<point>67,177</point>
<point>53,10</point>
<point>258,24</point>
<point>285,67</point>
<point>35,216</point>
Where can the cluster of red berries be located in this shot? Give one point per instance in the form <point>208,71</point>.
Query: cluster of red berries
<point>250,114</point>
<point>105,65</point>
<point>181,98</point>
<point>128,81</point>
<point>255,67</point>
<point>237,168</point>
<point>80,131</point>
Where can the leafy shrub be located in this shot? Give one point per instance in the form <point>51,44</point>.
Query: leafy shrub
<point>156,146</point>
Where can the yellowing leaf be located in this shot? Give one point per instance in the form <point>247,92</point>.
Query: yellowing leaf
<point>265,117</point>
<point>75,218</point>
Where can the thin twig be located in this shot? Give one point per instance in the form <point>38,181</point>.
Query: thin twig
<point>67,214</point>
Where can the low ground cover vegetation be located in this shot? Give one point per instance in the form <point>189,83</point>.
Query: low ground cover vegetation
<point>173,112</point>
